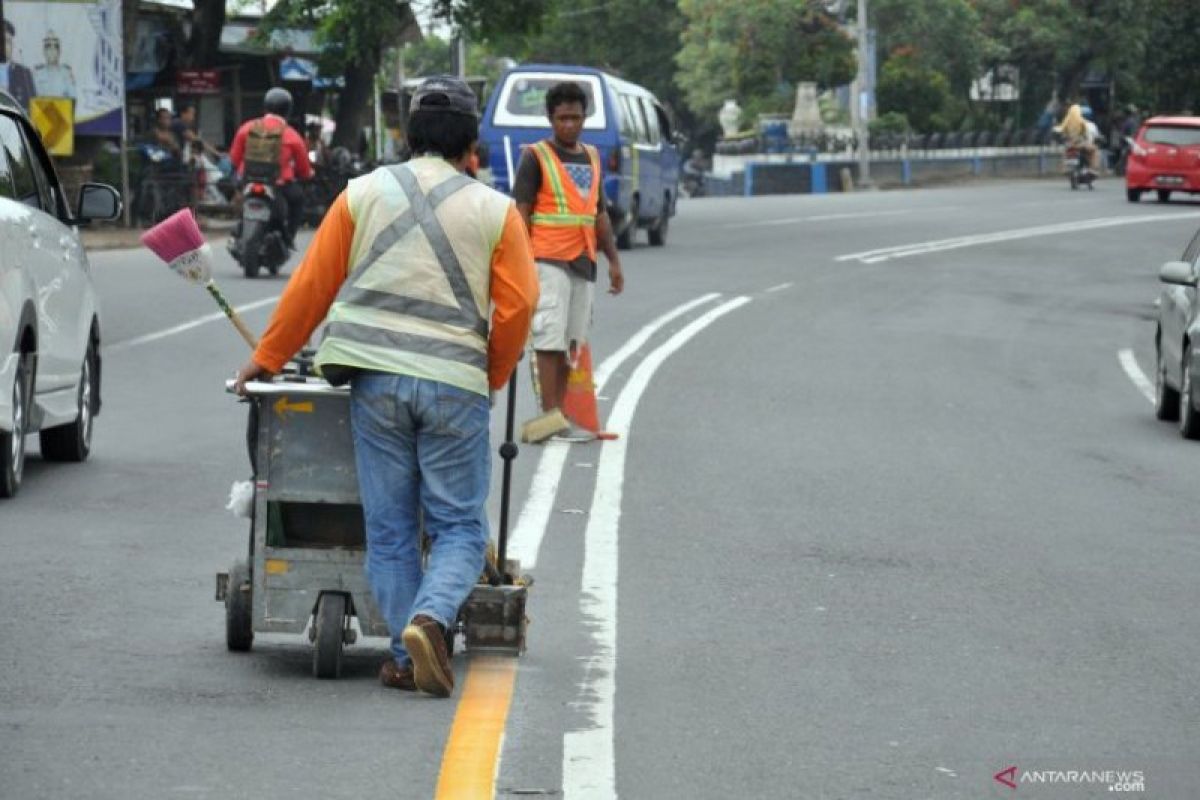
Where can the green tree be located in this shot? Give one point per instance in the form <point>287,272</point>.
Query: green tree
<point>635,39</point>
<point>1056,43</point>
<point>943,35</point>
<point>1169,81</point>
<point>751,49</point>
<point>355,33</point>
<point>908,86</point>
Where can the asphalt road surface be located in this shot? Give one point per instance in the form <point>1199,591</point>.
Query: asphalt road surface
<point>889,515</point>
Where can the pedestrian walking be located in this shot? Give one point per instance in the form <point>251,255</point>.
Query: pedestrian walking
<point>402,270</point>
<point>559,193</point>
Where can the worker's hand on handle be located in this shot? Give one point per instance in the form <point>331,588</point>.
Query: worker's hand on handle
<point>250,371</point>
<point>616,278</point>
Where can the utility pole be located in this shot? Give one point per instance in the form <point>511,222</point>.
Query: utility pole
<point>862,98</point>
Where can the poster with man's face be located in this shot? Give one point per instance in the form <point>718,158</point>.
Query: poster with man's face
<point>67,49</point>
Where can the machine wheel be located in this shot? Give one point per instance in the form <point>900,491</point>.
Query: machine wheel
<point>239,602</point>
<point>329,625</point>
<point>12,443</point>
<point>1189,418</point>
<point>1133,195</point>
<point>1164,195</point>
<point>658,234</point>
<point>73,442</point>
<point>251,249</point>
<point>1166,399</point>
<point>625,237</point>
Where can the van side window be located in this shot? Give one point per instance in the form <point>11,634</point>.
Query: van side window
<point>651,120</point>
<point>20,161</point>
<point>664,123</point>
<point>634,109</point>
<point>628,131</point>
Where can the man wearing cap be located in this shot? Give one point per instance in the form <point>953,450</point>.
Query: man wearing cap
<point>51,78</point>
<point>402,271</point>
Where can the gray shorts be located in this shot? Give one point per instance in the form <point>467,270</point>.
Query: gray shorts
<point>564,310</point>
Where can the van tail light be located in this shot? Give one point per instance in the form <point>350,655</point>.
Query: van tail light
<point>614,160</point>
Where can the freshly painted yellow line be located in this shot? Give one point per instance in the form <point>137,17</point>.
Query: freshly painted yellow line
<point>473,749</point>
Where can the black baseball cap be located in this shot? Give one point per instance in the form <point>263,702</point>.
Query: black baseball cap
<point>446,94</point>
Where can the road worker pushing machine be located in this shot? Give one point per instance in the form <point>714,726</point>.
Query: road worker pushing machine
<point>402,270</point>
<point>559,194</point>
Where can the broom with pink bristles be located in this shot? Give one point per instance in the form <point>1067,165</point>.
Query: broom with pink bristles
<point>178,241</point>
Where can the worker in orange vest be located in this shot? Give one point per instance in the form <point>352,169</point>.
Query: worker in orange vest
<point>559,194</point>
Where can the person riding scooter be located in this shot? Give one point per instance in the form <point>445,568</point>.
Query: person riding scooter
<point>267,149</point>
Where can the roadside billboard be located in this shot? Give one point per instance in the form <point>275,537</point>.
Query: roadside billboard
<point>67,49</point>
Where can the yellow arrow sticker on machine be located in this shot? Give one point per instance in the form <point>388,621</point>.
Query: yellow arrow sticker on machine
<point>54,119</point>
<point>282,406</point>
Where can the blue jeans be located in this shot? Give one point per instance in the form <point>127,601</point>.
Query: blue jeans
<point>421,447</point>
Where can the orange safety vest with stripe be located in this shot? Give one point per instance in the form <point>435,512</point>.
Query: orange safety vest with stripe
<point>564,223</point>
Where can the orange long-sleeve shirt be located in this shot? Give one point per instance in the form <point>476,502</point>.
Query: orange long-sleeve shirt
<point>315,284</point>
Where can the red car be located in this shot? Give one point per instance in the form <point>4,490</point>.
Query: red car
<point>1164,158</point>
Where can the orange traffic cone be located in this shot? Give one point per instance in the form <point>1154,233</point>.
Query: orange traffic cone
<point>580,402</point>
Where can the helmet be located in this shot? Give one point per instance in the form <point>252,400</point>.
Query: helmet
<point>278,101</point>
<point>1088,114</point>
<point>444,93</point>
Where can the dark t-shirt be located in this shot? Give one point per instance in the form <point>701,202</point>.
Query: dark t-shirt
<point>529,181</point>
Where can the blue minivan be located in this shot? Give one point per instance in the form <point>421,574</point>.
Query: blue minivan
<point>639,151</point>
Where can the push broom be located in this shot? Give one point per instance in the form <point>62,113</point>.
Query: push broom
<point>546,424</point>
<point>177,240</point>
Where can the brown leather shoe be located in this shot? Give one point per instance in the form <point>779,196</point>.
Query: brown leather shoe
<point>397,677</point>
<point>425,641</point>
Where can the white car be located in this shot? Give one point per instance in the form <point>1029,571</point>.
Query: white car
<point>49,325</point>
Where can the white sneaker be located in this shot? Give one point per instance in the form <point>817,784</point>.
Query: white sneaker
<point>574,434</point>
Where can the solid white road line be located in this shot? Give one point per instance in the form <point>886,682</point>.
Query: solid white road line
<point>1130,365</point>
<point>526,538</point>
<point>589,769</point>
<point>921,248</point>
<point>186,326</point>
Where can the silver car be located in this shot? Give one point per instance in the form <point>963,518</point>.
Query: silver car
<point>49,324</point>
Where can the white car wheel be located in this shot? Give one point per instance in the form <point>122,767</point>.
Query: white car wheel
<point>1166,399</point>
<point>12,443</point>
<point>1189,418</point>
<point>73,442</point>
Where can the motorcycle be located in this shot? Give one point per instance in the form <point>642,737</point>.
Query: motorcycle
<point>258,241</point>
<point>692,181</point>
<point>1077,169</point>
<point>163,187</point>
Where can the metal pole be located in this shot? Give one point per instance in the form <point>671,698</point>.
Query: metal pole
<point>862,100</point>
<point>125,167</point>
<point>3,39</point>
<point>378,121</point>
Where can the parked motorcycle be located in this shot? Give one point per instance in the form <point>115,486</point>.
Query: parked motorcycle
<point>258,241</point>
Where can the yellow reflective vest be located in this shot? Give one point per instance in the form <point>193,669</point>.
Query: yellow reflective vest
<point>416,298</point>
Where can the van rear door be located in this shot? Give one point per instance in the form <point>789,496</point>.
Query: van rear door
<point>517,117</point>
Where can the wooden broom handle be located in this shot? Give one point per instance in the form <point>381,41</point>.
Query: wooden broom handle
<point>234,317</point>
